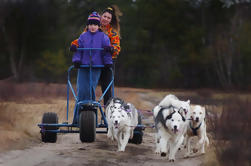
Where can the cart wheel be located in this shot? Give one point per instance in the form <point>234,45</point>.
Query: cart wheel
<point>138,133</point>
<point>51,118</point>
<point>87,126</point>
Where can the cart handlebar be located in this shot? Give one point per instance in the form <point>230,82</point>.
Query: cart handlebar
<point>90,49</point>
<point>93,66</point>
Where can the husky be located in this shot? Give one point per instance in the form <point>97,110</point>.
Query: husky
<point>169,125</point>
<point>122,118</point>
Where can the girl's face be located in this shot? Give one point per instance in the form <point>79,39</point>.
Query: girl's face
<point>106,18</point>
<point>93,28</point>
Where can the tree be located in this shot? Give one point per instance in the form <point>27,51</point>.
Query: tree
<point>26,28</point>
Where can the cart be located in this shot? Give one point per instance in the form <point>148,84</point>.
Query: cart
<point>85,115</point>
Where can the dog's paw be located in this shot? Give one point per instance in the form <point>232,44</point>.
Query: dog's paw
<point>163,154</point>
<point>171,160</point>
<point>120,150</point>
<point>195,150</point>
<point>157,152</point>
<point>202,151</point>
<point>187,155</point>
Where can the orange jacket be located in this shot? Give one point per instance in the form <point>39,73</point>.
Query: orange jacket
<point>113,36</point>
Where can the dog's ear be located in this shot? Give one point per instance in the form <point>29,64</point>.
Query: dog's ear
<point>181,115</point>
<point>126,107</point>
<point>180,109</point>
<point>183,118</point>
<point>173,109</point>
<point>188,101</point>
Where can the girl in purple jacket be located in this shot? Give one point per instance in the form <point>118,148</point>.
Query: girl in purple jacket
<point>93,38</point>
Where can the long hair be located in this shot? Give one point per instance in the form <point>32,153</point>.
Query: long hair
<point>116,13</point>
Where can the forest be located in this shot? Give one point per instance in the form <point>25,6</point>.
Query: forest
<point>165,44</point>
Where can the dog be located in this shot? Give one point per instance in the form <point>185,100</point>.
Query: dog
<point>122,118</point>
<point>197,127</point>
<point>169,125</point>
<point>172,100</point>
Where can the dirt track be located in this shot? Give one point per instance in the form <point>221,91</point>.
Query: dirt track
<point>21,124</point>
<point>70,151</point>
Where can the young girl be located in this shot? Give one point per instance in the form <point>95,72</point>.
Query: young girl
<point>93,38</point>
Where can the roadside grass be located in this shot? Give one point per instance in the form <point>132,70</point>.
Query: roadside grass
<point>233,133</point>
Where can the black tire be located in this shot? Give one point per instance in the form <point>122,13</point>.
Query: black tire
<point>87,126</point>
<point>50,118</point>
<point>137,133</point>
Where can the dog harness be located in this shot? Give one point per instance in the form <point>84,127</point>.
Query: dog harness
<point>194,129</point>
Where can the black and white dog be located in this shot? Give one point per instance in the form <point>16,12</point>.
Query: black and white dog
<point>170,122</point>
<point>122,118</point>
<point>170,125</point>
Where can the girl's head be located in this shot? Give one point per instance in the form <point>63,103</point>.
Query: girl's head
<point>93,22</point>
<point>111,16</point>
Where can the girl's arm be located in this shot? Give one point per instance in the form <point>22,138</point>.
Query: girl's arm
<point>115,42</point>
<point>107,55</point>
<point>77,55</point>
<point>75,42</point>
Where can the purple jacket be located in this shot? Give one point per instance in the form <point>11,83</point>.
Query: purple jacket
<point>93,40</point>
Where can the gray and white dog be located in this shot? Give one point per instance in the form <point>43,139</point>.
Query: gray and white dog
<point>122,118</point>
<point>170,117</point>
<point>169,125</point>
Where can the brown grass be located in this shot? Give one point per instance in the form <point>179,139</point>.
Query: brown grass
<point>233,133</point>
<point>10,91</point>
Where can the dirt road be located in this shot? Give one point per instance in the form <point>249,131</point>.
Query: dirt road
<point>70,151</point>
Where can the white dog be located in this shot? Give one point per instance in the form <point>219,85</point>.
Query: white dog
<point>169,124</point>
<point>197,127</point>
<point>122,118</point>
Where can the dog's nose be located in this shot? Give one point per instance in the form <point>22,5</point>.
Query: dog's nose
<point>116,122</point>
<point>175,127</point>
<point>197,119</point>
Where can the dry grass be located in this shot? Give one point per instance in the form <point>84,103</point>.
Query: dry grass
<point>233,133</point>
<point>18,121</point>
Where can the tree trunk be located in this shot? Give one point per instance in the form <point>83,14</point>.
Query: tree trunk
<point>11,49</point>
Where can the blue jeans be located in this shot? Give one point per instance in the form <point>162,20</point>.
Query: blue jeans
<point>83,83</point>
